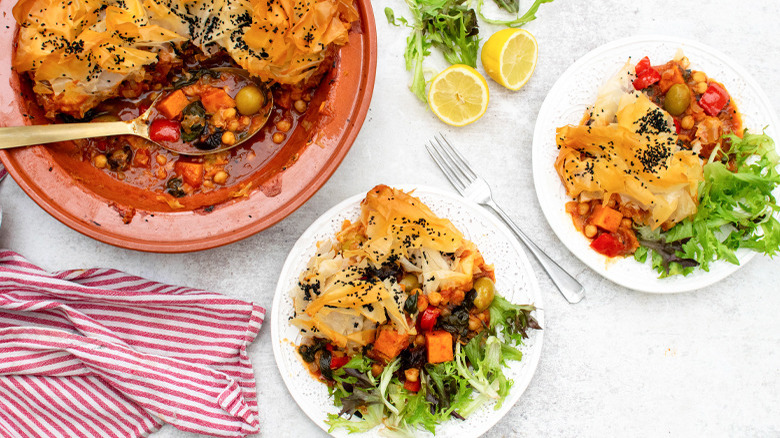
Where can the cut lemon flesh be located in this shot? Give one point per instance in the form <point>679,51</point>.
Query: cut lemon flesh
<point>509,57</point>
<point>458,95</point>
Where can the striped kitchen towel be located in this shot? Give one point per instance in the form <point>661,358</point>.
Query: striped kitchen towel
<point>100,353</point>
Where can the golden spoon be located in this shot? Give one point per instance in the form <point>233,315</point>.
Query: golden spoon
<point>19,136</point>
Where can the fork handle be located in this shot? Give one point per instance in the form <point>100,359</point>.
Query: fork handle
<point>570,288</point>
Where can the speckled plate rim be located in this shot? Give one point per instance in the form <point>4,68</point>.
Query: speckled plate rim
<point>552,197</point>
<point>304,245</point>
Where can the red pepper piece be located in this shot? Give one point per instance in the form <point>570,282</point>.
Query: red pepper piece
<point>164,130</point>
<point>338,361</point>
<point>646,75</point>
<point>428,318</point>
<point>412,386</point>
<point>677,126</point>
<point>714,99</point>
<point>608,245</point>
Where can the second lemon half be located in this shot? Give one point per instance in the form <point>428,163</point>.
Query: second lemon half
<point>509,57</point>
<point>458,95</point>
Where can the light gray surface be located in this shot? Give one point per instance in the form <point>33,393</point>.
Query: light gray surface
<point>620,362</point>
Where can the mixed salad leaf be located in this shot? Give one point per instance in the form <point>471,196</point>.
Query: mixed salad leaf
<point>453,389</point>
<point>512,6</point>
<point>450,26</point>
<point>737,209</point>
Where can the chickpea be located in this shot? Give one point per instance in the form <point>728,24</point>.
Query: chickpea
<point>283,125</point>
<point>162,173</point>
<point>233,125</point>
<point>314,366</point>
<point>457,297</point>
<point>161,159</point>
<point>700,87</point>
<point>422,303</point>
<point>229,138</point>
<point>687,122</point>
<point>419,340</point>
<point>434,298</point>
<point>590,231</point>
<point>484,316</point>
<point>300,105</point>
<point>100,161</point>
<point>278,137</point>
<point>699,76</point>
<point>583,208</point>
<point>626,223</point>
<point>229,113</point>
<point>409,282</point>
<point>412,374</point>
<point>474,323</point>
<point>376,369</point>
<point>220,177</point>
<point>217,120</point>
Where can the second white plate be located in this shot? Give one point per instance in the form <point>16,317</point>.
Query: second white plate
<point>515,280</point>
<point>566,103</point>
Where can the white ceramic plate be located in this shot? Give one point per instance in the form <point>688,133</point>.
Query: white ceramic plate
<point>566,103</point>
<point>515,280</point>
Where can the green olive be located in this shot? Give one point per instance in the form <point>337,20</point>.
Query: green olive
<point>677,99</point>
<point>249,100</point>
<point>409,282</point>
<point>486,290</point>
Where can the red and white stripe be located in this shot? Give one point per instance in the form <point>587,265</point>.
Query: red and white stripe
<point>100,353</point>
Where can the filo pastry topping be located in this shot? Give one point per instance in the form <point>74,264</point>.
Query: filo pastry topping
<point>629,147</point>
<point>79,52</point>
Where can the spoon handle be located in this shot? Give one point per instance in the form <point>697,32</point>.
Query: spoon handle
<point>39,134</point>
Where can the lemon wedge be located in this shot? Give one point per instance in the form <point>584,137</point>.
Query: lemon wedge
<point>509,57</point>
<point>458,95</point>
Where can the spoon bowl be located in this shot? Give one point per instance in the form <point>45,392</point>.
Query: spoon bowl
<point>19,136</point>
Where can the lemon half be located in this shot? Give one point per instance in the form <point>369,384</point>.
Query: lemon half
<point>458,95</point>
<point>509,57</point>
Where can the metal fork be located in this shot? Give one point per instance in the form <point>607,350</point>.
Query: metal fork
<point>475,188</point>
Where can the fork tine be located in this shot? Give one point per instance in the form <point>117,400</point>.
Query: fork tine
<point>458,159</point>
<point>445,166</point>
<point>448,158</point>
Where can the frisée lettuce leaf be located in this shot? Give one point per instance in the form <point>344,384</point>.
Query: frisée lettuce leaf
<point>737,209</point>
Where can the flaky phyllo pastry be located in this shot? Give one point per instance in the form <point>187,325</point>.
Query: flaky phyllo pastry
<point>79,52</point>
<point>341,295</point>
<point>628,146</point>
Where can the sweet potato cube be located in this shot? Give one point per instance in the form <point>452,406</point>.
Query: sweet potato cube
<point>439,345</point>
<point>216,99</point>
<point>389,343</point>
<point>191,173</point>
<point>173,104</point>
<point>606,218</point>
